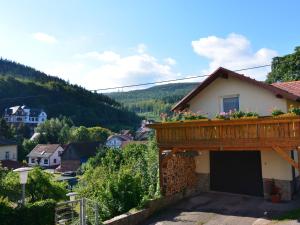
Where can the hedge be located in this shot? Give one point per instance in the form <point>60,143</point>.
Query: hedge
<point>38,213</point>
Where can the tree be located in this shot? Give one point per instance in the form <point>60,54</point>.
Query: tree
<point>40,186</point>
<point>55,130</point>
<point>80,134</point>
<point>98,133</point>
<point>5,129</point>
<point>285,68</point>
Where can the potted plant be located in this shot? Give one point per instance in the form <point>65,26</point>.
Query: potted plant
<point>275,193</point>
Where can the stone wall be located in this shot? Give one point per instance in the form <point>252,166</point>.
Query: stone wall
<point>285,186</point>
<point>178,173</point>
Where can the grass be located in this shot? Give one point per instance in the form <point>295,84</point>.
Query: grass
<point>291,215</point>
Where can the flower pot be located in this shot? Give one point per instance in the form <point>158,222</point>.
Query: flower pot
<point>276,198</point>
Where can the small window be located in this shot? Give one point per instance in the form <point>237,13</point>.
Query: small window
<point>231,103</point>
<point>45,161</point>
<point>54,160</point>
<point>32,160</point>
<point>7,155</point>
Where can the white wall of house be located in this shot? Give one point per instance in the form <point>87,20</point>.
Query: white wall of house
<point>251,97</point>
<point>114,143</point>
<point>53,160</point>
<point>9,152</point>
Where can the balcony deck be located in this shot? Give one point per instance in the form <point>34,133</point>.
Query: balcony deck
<point>244,134</point>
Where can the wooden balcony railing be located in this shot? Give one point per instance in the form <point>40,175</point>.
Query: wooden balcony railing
<point>246,134</point>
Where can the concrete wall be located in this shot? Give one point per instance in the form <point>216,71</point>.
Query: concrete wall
<point>252,97</point>
<point>13,153</point>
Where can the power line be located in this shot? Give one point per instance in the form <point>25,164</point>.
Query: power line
<point>178,79</point>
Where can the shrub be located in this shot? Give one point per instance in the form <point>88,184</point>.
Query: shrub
<point>38,213</point>
<point>294,110</point>
<point>277,112</point>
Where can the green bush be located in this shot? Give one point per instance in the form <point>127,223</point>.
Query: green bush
<point>38,213</point>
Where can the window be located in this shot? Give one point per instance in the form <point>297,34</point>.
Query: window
<point>231,103</point>
<point>45,161</point>
<point>7,155</point>
<point>54,160</point>
<point>32,160</point>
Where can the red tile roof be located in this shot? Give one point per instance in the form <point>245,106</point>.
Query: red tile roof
<point>291,86</point>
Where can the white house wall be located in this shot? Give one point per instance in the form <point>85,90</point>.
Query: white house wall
<point>13,153</point>
<point>252,97</point>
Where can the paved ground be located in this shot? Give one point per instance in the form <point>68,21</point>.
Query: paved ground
<point>213,208</point>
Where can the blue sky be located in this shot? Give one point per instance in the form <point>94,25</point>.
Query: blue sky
<point>100,44</point>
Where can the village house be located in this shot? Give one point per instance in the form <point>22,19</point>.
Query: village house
<point>117,140</point>
<point>8,154</point>
<point>23,114</point>
<point>45,155</point>
<point>245,156</point>
<point>77,153</point>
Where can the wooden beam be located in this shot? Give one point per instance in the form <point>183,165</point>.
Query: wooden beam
<point>285,156</point>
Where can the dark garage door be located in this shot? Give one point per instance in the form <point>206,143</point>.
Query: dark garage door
<point>236,172</point>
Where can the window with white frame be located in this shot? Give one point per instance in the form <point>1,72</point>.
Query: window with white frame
<point>230,103</point>
<point>32,160</point>
<point>6,155</point>
<point>45,161</point>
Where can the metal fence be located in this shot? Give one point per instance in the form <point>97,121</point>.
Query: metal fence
<point>77,212</point>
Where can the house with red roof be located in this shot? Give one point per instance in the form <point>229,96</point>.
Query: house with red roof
<point>242,156</point>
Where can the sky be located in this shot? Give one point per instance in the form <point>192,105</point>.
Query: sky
<point>101,44</point>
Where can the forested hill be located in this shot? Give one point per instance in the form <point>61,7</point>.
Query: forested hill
<point>152,101</point>
<point>21,84</point>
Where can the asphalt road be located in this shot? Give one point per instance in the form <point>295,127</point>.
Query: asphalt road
<point>213,208</point>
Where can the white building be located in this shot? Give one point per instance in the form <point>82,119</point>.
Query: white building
<point>117,140</point>
<point>45,155</point>
<point>23,114</point>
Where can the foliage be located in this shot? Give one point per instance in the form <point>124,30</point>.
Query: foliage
<point>285,68</point>
<point>58,97</point>
<point>120,180</point>
<point>294,110</point>
<point>152,101</point>
<point>181,116</point>
<point>277,112</point>
<point>236,115</point>
<point>5,130</point>
<point>40,186</point>
<point>38,213</point>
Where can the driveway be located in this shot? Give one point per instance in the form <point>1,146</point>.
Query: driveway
<point>215,208</point>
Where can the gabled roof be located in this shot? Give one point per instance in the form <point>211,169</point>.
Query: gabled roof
<point>83,149</point>
<point>120,137</point>
<point>225,73</point>
<point>43,151</point>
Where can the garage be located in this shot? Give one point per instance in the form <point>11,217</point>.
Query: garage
<point>236,172</point>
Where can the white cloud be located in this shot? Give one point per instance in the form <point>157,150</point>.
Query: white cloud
<point>43,37</point>
<point>95,70</point>
<point>170,61</point>
<point>106,56</point>
<point>131,69</point>
<point>233,52</point>
<point>141,48</point>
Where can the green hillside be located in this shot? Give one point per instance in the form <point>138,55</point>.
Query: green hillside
<point>58,97</point>
<point>152,101</point>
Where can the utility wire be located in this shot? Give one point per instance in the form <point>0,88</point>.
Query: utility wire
<point>178,79</point>
<point>142,84</point>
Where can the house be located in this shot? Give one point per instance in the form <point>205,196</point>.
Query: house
<point>45,155</point>
<point>144,132</point>
<point>117,140</point>
<point>77,153</point>
<point>8,153</point>
<point>23,114</point>
<point>237,156</point>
